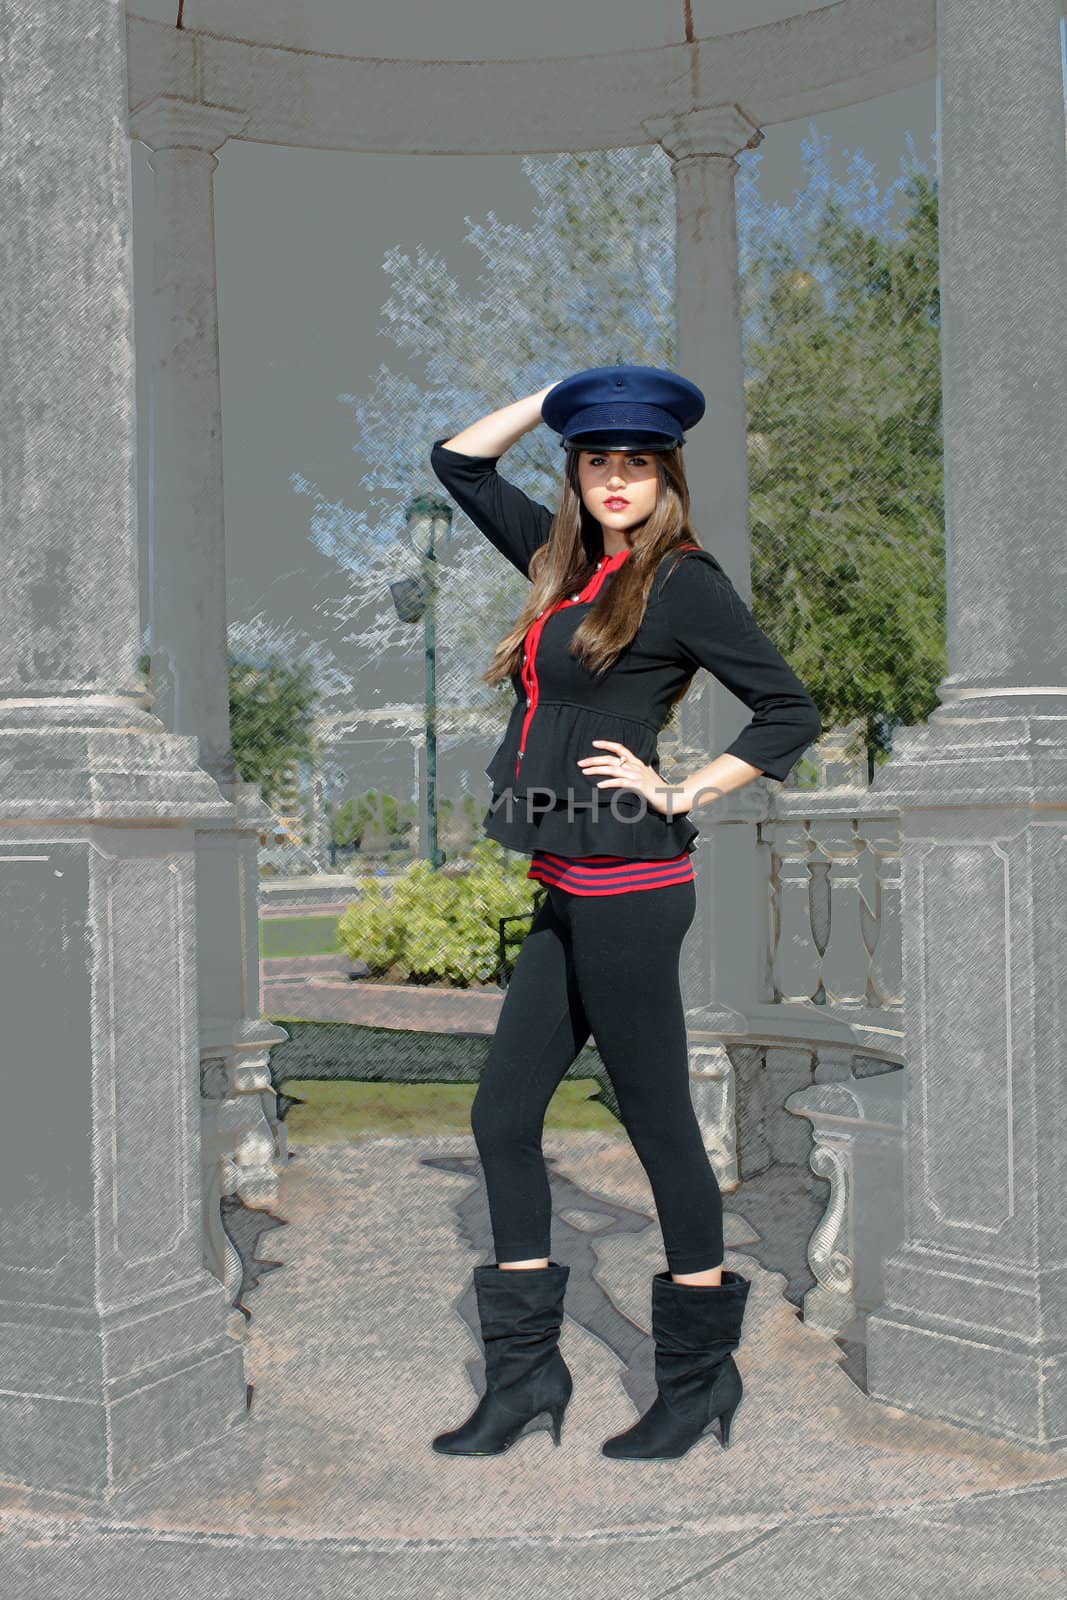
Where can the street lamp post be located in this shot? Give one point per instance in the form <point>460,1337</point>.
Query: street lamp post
<point>427,526</point>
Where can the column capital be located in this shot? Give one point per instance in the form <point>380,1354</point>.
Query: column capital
<point>168,120</point>
<point>707,130</point>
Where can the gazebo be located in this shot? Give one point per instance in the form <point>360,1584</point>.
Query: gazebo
<point>912,1020</point>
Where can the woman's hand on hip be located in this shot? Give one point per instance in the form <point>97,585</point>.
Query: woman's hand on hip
<point>616,767</point>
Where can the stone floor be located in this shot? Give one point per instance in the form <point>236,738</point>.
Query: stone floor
<point>360,1348</point>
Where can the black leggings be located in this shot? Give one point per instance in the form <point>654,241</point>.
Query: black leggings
<point>606,965</point>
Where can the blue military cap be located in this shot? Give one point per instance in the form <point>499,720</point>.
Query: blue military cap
<point>623,408</point>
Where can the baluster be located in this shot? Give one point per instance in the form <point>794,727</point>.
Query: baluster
<point>882,835</point>
<point>844,965</point>
<point>795,960</point>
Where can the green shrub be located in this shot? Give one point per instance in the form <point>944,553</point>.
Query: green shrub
<point>442,924</point>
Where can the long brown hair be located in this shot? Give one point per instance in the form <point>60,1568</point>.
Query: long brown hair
<point>566,562</point>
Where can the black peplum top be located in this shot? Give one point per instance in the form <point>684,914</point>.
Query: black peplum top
<point>541,798</point>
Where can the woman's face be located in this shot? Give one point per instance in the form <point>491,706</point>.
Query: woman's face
<point>619,489</point>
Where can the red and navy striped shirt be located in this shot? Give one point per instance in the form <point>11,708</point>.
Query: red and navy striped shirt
<point>608,874</point>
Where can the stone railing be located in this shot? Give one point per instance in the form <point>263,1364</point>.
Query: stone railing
<point>833,943</point>
<point>834,911</point>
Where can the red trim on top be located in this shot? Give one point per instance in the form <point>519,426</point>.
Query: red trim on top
<point>528,673</point>
<point>533,637</point>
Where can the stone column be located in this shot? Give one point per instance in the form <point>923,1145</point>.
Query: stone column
<point>973,1326</point>
<point>116,1352</point>
<point>187,593</point>
<point>242,1137</point>
<point>702,145</point>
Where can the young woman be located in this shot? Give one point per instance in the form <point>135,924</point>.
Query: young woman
<point>624,607</point>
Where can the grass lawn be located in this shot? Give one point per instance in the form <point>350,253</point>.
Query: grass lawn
<point>298,936</point>
<point>355,1107</point>
<point>338,1109</point>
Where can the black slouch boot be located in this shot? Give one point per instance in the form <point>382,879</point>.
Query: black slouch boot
<point>527,1380</point>
<point>696,1326</point>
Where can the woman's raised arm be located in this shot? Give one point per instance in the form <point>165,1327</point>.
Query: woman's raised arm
<point>513,522</point>
<point>497,431</point>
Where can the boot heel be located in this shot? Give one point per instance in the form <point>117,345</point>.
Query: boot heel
<point>724,1423</point>
<point>547,1420</point>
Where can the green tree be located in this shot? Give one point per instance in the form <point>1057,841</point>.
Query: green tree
<point>271,708</point>
<point>379,819</point>
<point>345,830</point>
<point>846,469</point>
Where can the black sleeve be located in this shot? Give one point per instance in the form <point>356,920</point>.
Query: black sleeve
<point>713,628</point>
<point>510,520</point>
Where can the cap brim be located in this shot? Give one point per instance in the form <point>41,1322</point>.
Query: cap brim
<point>605,439</point>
